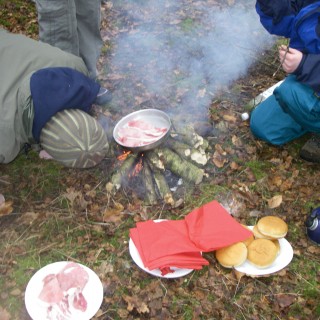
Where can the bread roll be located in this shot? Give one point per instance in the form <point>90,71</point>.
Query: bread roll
<point>272,226</point>
<point>232,256</point>
<point>277,243</point>
<point>262,253</point>
<point>258,235</point>
<point>250,239</point>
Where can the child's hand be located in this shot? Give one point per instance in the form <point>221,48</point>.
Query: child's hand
<point>290,58</point>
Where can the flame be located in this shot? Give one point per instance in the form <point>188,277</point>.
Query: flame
<point>124,155</point>
<point>138,167</point>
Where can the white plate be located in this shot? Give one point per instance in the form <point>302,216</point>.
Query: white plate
<point>178,272</point>
<point>283,259</point>
<point>92,292</point>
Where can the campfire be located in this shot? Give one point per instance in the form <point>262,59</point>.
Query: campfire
<point>154,175</point>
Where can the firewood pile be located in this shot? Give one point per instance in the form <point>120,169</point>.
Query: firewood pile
<point>154,175</point>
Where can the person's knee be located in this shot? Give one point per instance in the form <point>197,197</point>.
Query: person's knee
<point>256,127</point>
<point>262,128</point>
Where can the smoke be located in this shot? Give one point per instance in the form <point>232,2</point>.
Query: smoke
<point>183,52</point>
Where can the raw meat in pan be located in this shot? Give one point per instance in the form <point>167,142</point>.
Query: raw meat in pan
<point>139,133</point>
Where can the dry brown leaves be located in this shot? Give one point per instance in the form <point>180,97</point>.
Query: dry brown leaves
<point>4,314</point>
<point>6,207</point>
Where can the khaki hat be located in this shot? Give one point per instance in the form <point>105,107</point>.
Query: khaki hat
<point>75,139</point>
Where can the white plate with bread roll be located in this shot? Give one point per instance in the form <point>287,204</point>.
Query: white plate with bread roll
<point>284,257</point>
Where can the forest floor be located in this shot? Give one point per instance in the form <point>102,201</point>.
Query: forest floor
<point>52,213</point>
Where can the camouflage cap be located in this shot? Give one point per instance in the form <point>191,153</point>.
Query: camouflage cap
<point>75,139</point>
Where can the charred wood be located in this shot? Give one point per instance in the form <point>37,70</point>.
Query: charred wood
<point>121,173</point>
<point>150,195</point>
<point>162,186</point>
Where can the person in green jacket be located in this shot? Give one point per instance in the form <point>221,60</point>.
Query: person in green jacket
<point>45,97</point>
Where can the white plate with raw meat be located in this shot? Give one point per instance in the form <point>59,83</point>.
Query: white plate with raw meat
<point>64,290</point>
<point>142,130</point>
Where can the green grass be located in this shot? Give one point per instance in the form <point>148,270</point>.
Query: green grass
<point>260,169</point>
<point>19,15</point>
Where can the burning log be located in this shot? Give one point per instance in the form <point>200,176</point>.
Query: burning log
<point>162,185</point>
<point>180,166</point>
<point>150,195</point>
<point>121,173</point>
<point>187,152</point>
<point>154,174</point>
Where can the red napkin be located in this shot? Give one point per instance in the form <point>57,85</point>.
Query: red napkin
<point>179,243</point>
<point>211,227</point>
<point>166,244</point>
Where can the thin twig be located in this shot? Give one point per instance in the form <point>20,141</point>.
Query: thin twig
<point>282,61</point>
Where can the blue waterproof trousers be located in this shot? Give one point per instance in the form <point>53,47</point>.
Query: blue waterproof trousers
<point>72,26</point>
<point>292,110</point>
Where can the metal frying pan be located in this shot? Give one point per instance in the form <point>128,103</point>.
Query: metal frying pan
<point>154,117</point>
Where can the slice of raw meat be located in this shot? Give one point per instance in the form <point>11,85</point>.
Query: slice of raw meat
<point>63,288</point>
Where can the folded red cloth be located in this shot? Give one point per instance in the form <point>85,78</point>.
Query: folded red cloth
<point>165,243</point>
<point>185,260</point>
<point>211,227</point>
<point>179,243</point>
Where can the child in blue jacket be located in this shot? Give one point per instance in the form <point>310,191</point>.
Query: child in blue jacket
<point>294,107</point>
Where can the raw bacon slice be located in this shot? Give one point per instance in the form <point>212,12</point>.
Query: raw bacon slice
<point>147,128</point>
<point>135,142</point>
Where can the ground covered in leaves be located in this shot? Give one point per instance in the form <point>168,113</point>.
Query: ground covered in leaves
<point>53,213</point>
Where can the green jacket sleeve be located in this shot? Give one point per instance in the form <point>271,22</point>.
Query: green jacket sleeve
<point>20,57</point>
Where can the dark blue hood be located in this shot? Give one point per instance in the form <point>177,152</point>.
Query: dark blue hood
<point>56,89</point>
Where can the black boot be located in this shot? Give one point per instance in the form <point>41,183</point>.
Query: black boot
<point>104,96</point>
<point>311,150</point>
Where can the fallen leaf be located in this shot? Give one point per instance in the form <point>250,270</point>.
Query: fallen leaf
<point>229,118</point>
<point>218,159</point>
<point>285,300</point>
<point>2,199</point>
<point>112,215</point>
<point>143,308</point>
<point>134,303</point>
<point>6,208</point>
<point>286,185</point>
<point>276,180</point>
<point>71,194</point>
<point>4,314</point>
<point>313,250</point>
<point>234,165</point>
<point>275,201</point>
<point>15,292</point>
<point>219,149</point>
<point>236,141</point>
